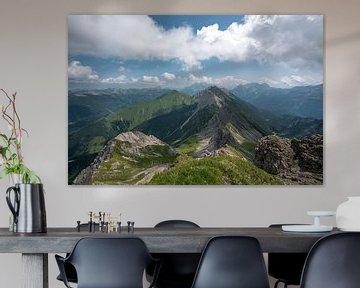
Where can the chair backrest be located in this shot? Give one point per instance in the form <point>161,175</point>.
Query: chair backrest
<point>178,269</point>
<point>286,266</point>
<point>232,262</point>
<point>176,224</point>
<point>110,262</point>
<point>333,262</point>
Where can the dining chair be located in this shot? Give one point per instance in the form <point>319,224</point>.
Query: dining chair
<point>232,262</point>
<point>178,269</point>
<point>70,271</point>
<point>108,263</point>
<point>333,262</point>
<point>285,267</point>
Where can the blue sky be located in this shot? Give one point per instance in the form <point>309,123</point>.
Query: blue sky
<point>130,51</point>
<point>196,22</point>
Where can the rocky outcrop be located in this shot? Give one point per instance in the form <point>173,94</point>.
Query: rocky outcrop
<point>275,155</point>
<point>309,153</point>
<point>298,160</point>
<point>133,142</point>
<point>131,147</point>
<point>139,138</point>
<point>84,177</point>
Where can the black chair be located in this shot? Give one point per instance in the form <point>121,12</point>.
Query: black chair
<point>108,263</point>
<point>69,269</point>
<point>333,262</point>
<point>286,267</point>
<point>178,269</point>
<point>232,262</point>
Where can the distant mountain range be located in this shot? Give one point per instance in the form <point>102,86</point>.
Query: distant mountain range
<point>302,101</point>
<point>212,122</point>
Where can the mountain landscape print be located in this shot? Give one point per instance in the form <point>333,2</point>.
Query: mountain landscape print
<point>195,100</point>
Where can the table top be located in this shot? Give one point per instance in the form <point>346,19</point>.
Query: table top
<point>158,240</point>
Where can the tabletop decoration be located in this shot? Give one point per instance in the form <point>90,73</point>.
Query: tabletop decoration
<point>348,214</point>
<point>25,197</point>
<point>315,227</point>
<point>12,160</point>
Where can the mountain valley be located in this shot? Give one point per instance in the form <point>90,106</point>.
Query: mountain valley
<point>175,138</point>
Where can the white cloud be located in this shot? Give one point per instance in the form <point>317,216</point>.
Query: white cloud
<point>168,76</point>
<point>228,81</point>
<point>111,80</point>
<point>151,79</point>
<point>296,80</point>
<point>290,81</point>
<point>293,40</point>
<point>80,73</point>
<point>202,79</point>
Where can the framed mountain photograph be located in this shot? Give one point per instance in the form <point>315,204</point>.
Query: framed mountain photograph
<point>195,99</point>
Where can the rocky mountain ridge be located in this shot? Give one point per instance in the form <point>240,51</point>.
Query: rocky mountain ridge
<point>125,151</point>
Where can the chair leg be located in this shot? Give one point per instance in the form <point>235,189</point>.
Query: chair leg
<point>278,282</point>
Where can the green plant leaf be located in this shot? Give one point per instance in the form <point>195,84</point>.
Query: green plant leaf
<point>26,132</point>
<point>4,137</point>
<point>4,173</point>
<point>28,176</point>
<point>3,151</point>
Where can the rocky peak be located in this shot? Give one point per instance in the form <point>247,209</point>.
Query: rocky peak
<point>132,145</point>
<point>139,138</point>
<point>213,95</point>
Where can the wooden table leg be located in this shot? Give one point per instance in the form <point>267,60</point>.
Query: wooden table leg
<point>35,270</point>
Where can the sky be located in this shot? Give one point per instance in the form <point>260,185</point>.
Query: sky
<point>174,51</point>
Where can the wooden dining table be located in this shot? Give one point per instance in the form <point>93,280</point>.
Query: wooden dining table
<point>35,247</point>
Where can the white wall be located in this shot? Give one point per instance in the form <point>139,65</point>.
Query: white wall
<point>33,62</point>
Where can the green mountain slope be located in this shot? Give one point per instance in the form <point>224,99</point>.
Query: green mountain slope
<point>173,127</point>
<point>218,170</point>
<point>86,106</point>
<point>87,142</point>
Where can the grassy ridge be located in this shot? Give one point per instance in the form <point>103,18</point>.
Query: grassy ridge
<point>128,168</point>
<point>219,170</point>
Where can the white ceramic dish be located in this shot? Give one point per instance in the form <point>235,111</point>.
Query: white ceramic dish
<point>306,228</point>
<point>321,213</point>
